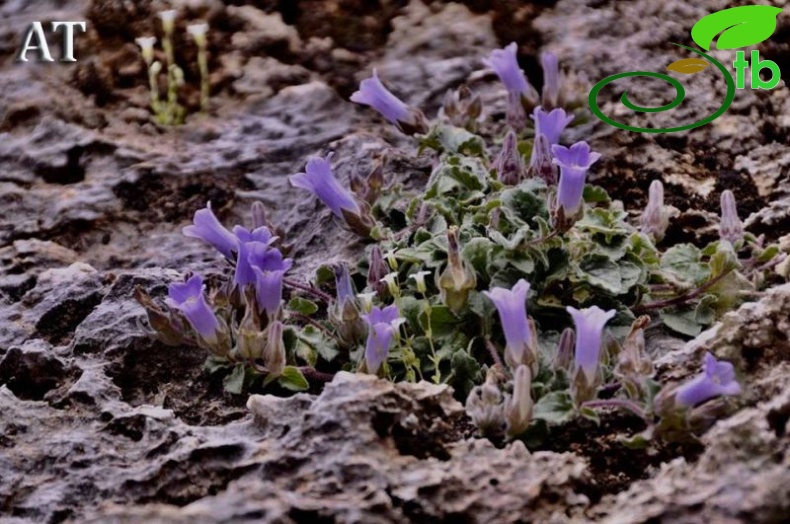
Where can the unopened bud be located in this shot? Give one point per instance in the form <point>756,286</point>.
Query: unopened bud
<point>258,212</point>
<point>458,278</point>
<point>509,164</point>
<point>377,270</point>
<point>655,218</point>
<point>564,356</point>
<point>540,163</point>
<point>731,227</point>
<point>516,115</point>
<point>551,80</point>
<point>519,407</point>
<point>485,407</point>
<point>250,338</point>
<point>274,352</point>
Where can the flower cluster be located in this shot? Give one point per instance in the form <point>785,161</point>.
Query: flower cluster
<point>170,111</point>
<point>517,282</point>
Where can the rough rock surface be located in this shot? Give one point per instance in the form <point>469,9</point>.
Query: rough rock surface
<point>100,423</point>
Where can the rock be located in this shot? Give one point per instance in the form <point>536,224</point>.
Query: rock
<point>31,370</point>
<point>743,475</point>
<point>355,451</point>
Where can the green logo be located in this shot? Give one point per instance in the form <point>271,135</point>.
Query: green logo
<point>736,27</point>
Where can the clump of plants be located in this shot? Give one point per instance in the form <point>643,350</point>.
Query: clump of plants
<point>169,111</point>
<point>508,277</point>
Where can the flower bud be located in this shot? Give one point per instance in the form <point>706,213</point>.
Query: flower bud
<point>462,107</point>
<point>564,357</point>
<point>509,164</point>
<point>730,227</point>
<point>258,212</point>
<point>518,408</point>
<point>274,356</point>
<point>458,278</point>
<point>345,313</point>
<point>250,339</point>
<point>550,97</point>
<point>485,406</point>
<point>541,163</point>
<point>160,321</point>
<point>377,270</point>
<point>655,218</point>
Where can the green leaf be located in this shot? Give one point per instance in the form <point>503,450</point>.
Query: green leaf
<point>596,195</point>
<point>521,205</point>
<point>293,379</point>
<point>451,139</point>
<point>742,26</point>
<point>684,322</point>
<point>555,408</point>
<point>599,271</point>
<point>215,364</point>
<point>313,342</point>
<point>590,414</point>
<point>638,441</point>
<point>466,372</point>
<point>477,252</point>
<point>240,379</point>
<point>302,306</point>
<point>683,262</point>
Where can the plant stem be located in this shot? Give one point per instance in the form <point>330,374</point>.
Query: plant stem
<point>308,289</point>
<point>318,376</point>
<point>317,325</point>
<point>629,405</point>
<point>691,295</point>
<point>494,354</point>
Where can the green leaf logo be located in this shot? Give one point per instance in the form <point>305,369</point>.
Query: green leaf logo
<point>741,26</point>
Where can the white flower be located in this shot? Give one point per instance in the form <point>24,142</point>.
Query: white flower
<point>367,300</point>
<point>198,32</point>
<point>419,279</point>
<point>391,279</point>
<point>168,20</point>
<point>146,44</point>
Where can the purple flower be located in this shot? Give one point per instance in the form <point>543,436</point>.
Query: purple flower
<point>512,308</point>
<point>373,93</point>
<point>247,241</point>
<point>319,180</point>
<point>551,79</point>
<point>551,124</point>
<point>269,268</point>
<point>207,228</point>
<point>505,65</point>
<point>590,323</point>
<point>717,379</point>
<point>574,163</point>
<point>189,299</point>
<point>382,325</point>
